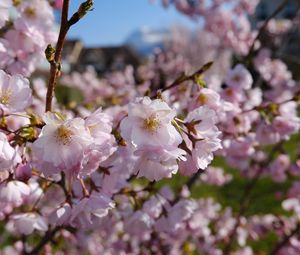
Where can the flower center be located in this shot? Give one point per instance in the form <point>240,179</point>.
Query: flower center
<point>16,2</point>
<point>237,78</point>
<point>151,124</point>
<point>229,92</point>
<point>30,12</point>
<point>5,97</point>
<point>202,99</point>
<point>63,135</point>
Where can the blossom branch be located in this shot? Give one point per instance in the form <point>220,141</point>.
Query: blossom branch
<point>183,78</point>
<point>54,63</point>
<point>265,24</point>
<point>245,198</point>
<point>47,238</point>
<point>54,55</point>
<point>285,240</point>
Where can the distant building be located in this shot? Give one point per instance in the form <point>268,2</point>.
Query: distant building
<point>266,7</point>
<point>71,52</point>
<point>103,59</point>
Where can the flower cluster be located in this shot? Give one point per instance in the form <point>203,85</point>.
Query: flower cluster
<point>26,34</point>
<point>170,158</point>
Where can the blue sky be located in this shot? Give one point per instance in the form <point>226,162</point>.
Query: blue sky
<point>112,21</point>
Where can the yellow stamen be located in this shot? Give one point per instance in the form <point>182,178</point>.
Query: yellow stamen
<point>5,97</point>
<point>151,124</point>
<point>202,99</point>
<point>236,78</point>
<point>63,135</point>
<point>30,12</point>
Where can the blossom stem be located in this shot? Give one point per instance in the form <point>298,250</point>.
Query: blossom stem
<point>65,25</point>
<point>244,201</point>
<point>184,78</point>
<point>265,24</point>
<point>85,191</point>
<point>285,240</point>
<point>55,65</point>
<point>47,238</point>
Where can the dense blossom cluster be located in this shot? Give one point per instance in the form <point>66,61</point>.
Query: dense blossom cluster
<point>130,169</point>
<point>26,29</point>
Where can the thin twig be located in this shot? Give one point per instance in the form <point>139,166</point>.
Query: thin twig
<point>285,240</point>
<point>55,65</point>
<point>245,198</point>
<point>47,238</point>
<point>184,78</point>
<point>265,24</point>
<point>65,25</point>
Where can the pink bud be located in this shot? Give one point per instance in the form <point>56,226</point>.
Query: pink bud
<point>23,172</point>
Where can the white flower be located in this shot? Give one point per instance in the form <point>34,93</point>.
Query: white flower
<point>149,123</point>
<point>13,192</point>
<point>61,145</point>
<point>96,205</point>
<point>148,128</point>
<point>4,11</point>
<point>239,77</point>
<point>26,223</point>
<point>15,93</point>
<point>8,155</point>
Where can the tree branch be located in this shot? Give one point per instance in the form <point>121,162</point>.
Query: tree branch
<point>245,198</point>
<point>55,64</point>
<point>285,240</point>
<point>265,24</point>
<point>47,238</point>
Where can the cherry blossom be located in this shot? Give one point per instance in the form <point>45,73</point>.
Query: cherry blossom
<point>15,93</point>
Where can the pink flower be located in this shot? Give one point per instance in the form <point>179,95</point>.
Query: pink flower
<point>294,191</point>
<point>13,192</point>
<point>15,93</point>
<point>18,53</point>
<point>99,125</point>
<point>4,11</point>
<point>215,176</point>
<point>8,155</point>
<point>61,215</point>
<point>278,168</point>
<point>26,223</point>
<point>148,128</point>
<point>239,78</point>
<point>284,126</point>
<point>153,206</point>
<point>292,204</point>
<point>34,14</point>
<point>244,251</point>
<point>202,140</point>
<point>156,163</point>
<point>97,205</point>
<point>138,224</point>
<point>176,216</point>
<point>207,97</point>
<point>149,123</point>
<point>23,172</point>
<point>61,145</point>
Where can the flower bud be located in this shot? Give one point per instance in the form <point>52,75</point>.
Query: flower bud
<point>50,53</point>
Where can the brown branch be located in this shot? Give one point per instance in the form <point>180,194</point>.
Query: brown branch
<point>55,63</point>
<point>47,238</point>
<point>244,201</point>
<point>184,78</point>
<point>265,24</point>
<point>285,240</point>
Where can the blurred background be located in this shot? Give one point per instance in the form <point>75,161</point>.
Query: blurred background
<point>118,33</point>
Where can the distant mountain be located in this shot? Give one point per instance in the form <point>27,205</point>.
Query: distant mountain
<point>145,40</point>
